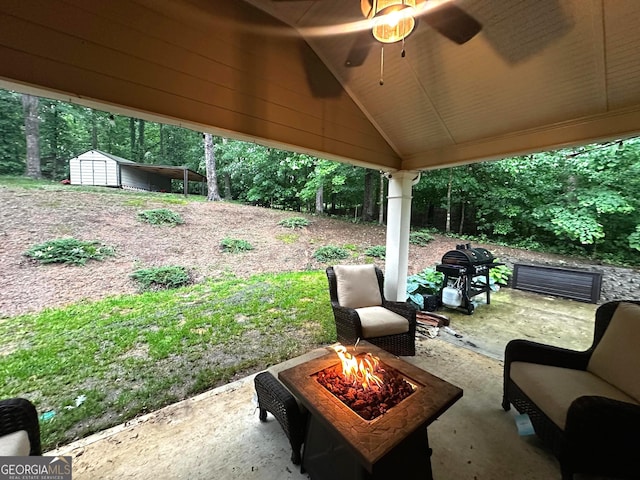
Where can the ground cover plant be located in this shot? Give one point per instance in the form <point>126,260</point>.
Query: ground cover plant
<point>132,354</point>
<point>160,216</point>
<point>69,250</point>
<point>294,222</point>
<point>377,251</point>
<point>330,253</point>
<point>155,278</point>
<point>420,237</point>
<point>235,245</point>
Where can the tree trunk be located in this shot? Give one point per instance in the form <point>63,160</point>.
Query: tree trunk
<point>369,201</point>
<point>163,146</point>
<point>132,138</point>
<point>32,134</point>
<point>461,218</point>
<point>320,199</point>
<point>212,178</point>
<point>381,213</point>
<point>227,186</point>
<point>141,147</point>
<point>448,224</point>
<point>94,129</point>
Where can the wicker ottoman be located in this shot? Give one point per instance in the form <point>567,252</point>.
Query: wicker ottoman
<point>275,398</point>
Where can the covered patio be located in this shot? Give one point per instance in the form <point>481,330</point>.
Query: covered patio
<point>294,74</point>
<point>218,434</point>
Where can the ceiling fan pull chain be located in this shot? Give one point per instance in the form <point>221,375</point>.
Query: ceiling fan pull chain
<point>403,52</point>
<point>382,65</point>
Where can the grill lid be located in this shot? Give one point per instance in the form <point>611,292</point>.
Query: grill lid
<point>465,255</point>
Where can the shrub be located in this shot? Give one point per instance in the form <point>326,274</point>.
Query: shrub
<point>294,222</point>
<point>157,278</point>
<point>234,245</point>
<point>420,237</point>
<point>329,253</point>
<point>500,275</point>
<point>378,251</point>
<point>427,282</point>
<point>69,250</point>
<point>160,216</point>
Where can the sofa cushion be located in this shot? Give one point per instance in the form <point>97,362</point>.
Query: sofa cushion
<point>15,444</point>
<point>616,359</point>
<point>553,389</point>
<point>380,322</point>
<point>357,286</point>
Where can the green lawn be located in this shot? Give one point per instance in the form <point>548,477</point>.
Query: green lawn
<point>128,355</point>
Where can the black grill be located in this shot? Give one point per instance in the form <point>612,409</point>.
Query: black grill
<point>466,274</point>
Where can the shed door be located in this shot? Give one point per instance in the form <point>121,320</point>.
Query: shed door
<point>93,172</point>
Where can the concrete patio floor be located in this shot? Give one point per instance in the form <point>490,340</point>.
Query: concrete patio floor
<point>217,435</point>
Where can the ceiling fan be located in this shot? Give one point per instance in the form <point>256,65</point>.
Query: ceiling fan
<point>395,20</point>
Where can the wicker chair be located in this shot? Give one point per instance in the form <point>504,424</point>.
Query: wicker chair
<point>598,389</point>
<point>275,398</point>
<point>19,414</point>
<point>357,299</point>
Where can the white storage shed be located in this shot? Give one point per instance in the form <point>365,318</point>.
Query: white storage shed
<point>98,168</point>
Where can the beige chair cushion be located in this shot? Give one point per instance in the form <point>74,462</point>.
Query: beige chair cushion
<point>357,286</point>
<point>380,322</point>
<point>553,389</point>
<point>616,359</point>
<point>15,444</point>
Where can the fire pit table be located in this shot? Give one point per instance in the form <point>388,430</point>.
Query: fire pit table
<point>341,444</point>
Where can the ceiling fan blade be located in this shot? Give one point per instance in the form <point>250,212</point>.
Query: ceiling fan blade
<point>360,49</point>
<point>453,22</point>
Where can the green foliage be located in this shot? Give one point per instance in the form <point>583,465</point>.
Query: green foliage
<point>330,253</point>
<point>378,251</point>
<point>294,222</point>
<point>234,245</point>
<point>133,354</point>
<point>12,138</point>
<point>634,238</point>
<point>69,250</point>
<point>420,237</point>
<point>427,282</point>
<point>156,278</point>
<point>160,216</point>
<point>288,238</point>
<point>500,275</point>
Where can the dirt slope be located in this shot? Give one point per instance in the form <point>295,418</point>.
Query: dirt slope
<point>34,216</point>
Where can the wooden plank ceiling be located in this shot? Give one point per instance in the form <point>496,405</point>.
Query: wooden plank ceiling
<point>541,74</point>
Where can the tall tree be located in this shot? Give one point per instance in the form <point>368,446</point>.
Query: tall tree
<point>210,161</point>
<point>12,138</point>
<point>32,135</point>
<point>369,201</point>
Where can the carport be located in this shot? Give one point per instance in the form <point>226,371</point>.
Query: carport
<point>300,75</point>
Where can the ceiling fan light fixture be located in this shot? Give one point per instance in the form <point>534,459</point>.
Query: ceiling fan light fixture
<point>393,19</point>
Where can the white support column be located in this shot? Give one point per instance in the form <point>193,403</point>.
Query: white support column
<point>398,226</point>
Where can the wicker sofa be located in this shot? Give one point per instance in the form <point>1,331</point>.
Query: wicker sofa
<point>584,405</point>
<point>19,428</point>
<point>362,313</point>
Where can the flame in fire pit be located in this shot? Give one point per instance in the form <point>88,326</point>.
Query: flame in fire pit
<point>359,372</point>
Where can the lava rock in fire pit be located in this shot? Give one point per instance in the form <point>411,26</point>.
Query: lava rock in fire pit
<point>368,401</point>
